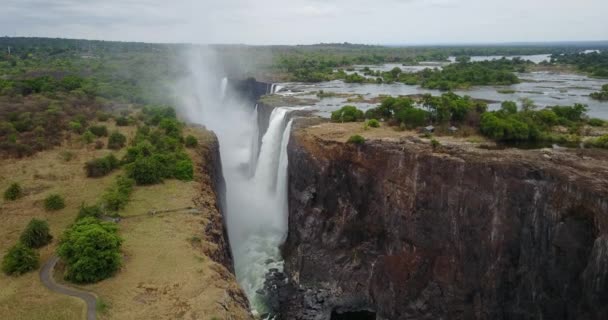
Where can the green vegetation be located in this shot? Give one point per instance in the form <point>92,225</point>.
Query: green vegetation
<point>19,260</point>
<point>93,211</point>
<point>347,114</point>
<point>373,123</point>
<point>191,141</point>
<point>435,144</point>
<point>595,64</point>
<point>508,124</point>
<point>91,250</point>
<point>116,141</point>
<point>36,234</point>
<point>101,166</point>
<point>117,196</point>
<point>356,139</point>
<point>13,192</point>
<point>601,95</point>
<point>463,74</point>
<point>99,131</point>
<point>54,202</point>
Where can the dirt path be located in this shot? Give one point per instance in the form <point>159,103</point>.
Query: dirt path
<point>48,281</point>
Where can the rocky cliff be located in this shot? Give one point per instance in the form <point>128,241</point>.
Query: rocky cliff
<point>396,230</point>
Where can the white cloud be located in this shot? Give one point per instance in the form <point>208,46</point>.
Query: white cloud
<point>308,21</point>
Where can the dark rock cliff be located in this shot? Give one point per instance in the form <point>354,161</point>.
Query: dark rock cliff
<point>407,233</point>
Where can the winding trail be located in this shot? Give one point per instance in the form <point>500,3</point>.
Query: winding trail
<point>48,281</point>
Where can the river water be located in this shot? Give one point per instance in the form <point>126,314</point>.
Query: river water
<point>544,88</point>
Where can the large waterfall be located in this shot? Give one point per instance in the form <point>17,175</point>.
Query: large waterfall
<point>256,175</point>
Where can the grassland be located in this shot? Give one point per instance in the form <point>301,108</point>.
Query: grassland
<point>166,273</point>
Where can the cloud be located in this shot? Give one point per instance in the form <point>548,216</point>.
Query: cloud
<point>308,21</point>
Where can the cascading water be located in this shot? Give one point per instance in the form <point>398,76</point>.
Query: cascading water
<point>256,186</point>
<point>223,88</point>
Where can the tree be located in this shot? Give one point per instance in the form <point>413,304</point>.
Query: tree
<point>91,250</point>
<point>509,107</point>
<point>347,114</point>
<point>36,234</point>
<point>19,260</point>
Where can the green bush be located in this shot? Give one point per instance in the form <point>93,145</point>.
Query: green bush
<point>347,114</point>
<point>595,122</point>
<point>356,139</point>
<point>76,127</point>
<point>91,250</point>
<point>101,166</point>
<point>117,196</point>
<point>93,211</point>
<point>102,116</point>
<point>116,141</point>
<point>13,192</point>
<point>99,131</point>
<point>435,144</point>
<point>54,202</point>
<point>146,170</point>
<point>191,141</point>
<point>19,260</point>
<point>412,117</point>
<point>123,121</point>
<point>36,234</point>
<point>88,137</point>
<point>184,170</point>
<point>373,123</point>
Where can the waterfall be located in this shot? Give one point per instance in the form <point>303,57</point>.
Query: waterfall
<point>266,170</point>
<point>223,87</point>
<point>255,148</point>
<point>255,175</point>
<point>256,247</point>
<point>274,88</point>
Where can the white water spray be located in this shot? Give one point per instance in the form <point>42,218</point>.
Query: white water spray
<point>256,183</point>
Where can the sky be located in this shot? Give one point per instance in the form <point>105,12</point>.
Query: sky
<point>309,21</point>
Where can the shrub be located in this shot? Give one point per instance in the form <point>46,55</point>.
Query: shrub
<point>122,121</point>
<point>356,139</point>
<point>595,122</point>
<point>88,137</point>
<point>373,123</point>
<point>93,211</point>
<point>412,117</point>
<point>66,156</point>
<point>13,192</point>
<point>102,116</point>
<point>117,196</point>
<point>435,144</point>
<point>347,114</point>
<point>101,166</point>
<point>191,141</point>
<point>99,131</point>
<point>146,170</point>
<point>184,170</point>
<point>116,141</point>
<point>91,250</point>
<point>54,202</point>
<point>19,260</point>
<point>99,145</point>
<point>76,127</point>
<point>36,234</point>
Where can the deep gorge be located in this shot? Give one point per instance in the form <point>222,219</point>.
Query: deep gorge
<point>395,229</point>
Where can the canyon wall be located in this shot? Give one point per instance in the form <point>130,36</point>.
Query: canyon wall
<point>405,232</point>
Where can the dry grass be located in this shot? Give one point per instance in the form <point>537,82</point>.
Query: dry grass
<point>165,273</point>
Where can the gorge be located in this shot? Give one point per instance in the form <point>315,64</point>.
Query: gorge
<point>394,229</point>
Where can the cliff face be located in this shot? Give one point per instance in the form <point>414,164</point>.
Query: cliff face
<point>397,229</point>
<point>213,200</point>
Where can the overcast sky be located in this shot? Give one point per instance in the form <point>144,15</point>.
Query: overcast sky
<point>308,21</point>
